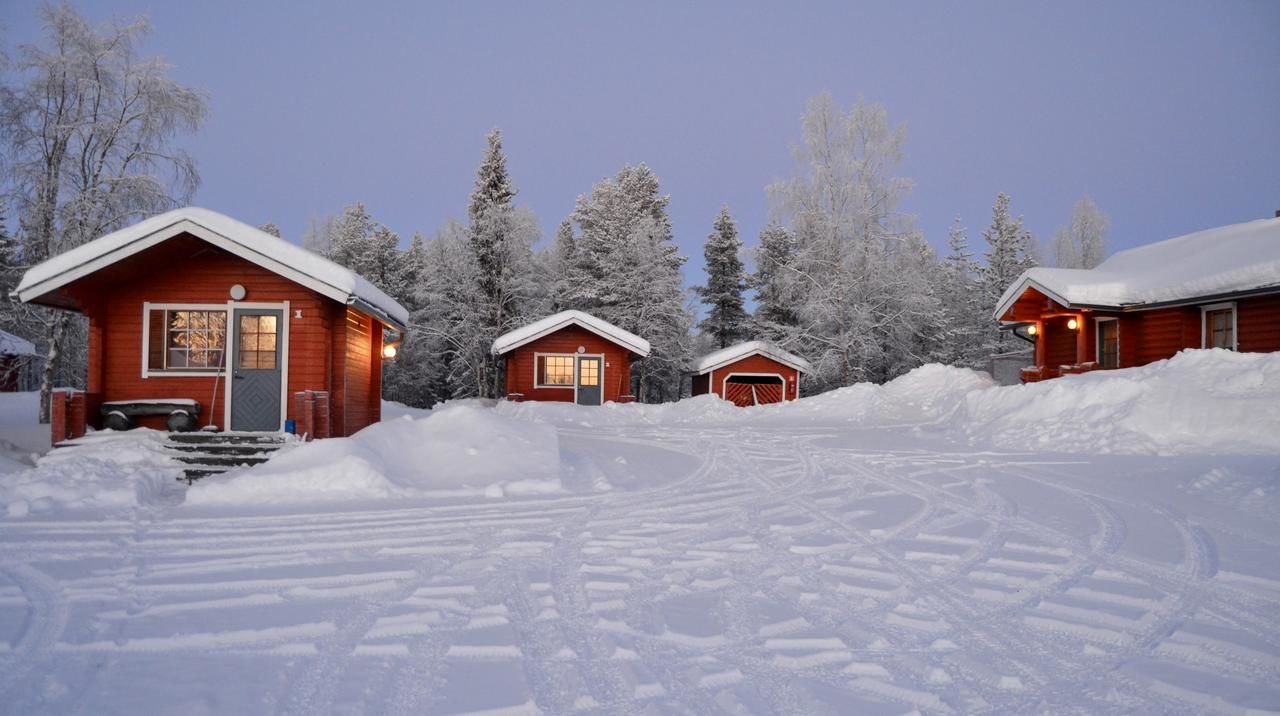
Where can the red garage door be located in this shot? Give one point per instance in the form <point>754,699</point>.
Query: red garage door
<point>744,390</point>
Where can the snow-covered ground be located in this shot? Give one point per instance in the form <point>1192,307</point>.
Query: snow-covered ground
<point>1101,543</point>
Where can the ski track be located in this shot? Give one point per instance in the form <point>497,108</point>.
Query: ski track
<point>782,575</point>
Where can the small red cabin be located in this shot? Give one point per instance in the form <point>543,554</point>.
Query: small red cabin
<point>751,373</point>
<point>196,310</point>
<point>1213,289</point>
<point>570,357</point>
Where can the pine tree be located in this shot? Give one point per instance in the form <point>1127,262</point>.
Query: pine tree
<point>502,241</point>
<point>965,317</point>
<point>775,284</point>
<point>1011,250</point>
<point>726,320</point>
<point>625,267</point>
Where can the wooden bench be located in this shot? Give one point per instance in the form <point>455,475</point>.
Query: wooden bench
<point>182,413</point>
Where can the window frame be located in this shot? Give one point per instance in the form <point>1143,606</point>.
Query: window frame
<point>1097,341</point>
<point>573,383</point>
<point>148,371</point>
<point>1235,319</point>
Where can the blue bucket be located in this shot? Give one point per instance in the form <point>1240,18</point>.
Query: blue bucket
<point>291,426</point>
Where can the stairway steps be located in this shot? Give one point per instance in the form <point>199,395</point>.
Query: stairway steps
<point>206,454</point>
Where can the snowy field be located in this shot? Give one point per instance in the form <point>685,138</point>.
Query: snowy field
<point>1102,543</point>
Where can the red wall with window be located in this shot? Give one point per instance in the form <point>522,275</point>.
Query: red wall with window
<point>522,369</point>
<point>324,353</point>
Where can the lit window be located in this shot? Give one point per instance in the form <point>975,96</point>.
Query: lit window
<point>256,342</point>
<point>555,371</point>
<point>184,340</point>
<point>589,373</point>
<point>1220,327</point>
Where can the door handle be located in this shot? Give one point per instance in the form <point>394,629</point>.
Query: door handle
<point>237,375</point>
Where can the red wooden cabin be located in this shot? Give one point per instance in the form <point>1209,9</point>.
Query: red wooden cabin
<point>175,300</point>
<point>570,357</point>
<point>751,373</point>
<point>1213,289</point>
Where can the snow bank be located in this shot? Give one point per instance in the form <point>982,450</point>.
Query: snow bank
<point>460,448</point>
<point>22,437</point>
<point>1199,401</point>
<point>105,470</point>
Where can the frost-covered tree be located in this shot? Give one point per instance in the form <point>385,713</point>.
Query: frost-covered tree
<point>856,317</point>
<point>1083,242</point>
<point>726,321</point>
<point>370,249</point>
<point>89,130</point>
<point>1011,249</point>
<point>271,228</point>
<point>965,318</point>
<point>502,238</point>
<point>776,286</point>
<point>625,267</point>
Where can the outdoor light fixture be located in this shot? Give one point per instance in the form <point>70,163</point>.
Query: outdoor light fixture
<point>390,350</point>
<point>1032,330</point>
<point>1073,324</point>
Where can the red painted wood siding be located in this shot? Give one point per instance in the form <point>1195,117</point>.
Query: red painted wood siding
<point>750,364</point>
<point>1149,336</point>
<point>1258,321</point>
<point>520,364</point>
<point>187,270</point>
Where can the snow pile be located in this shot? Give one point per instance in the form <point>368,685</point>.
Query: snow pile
<point>1199,401</point>
<point>924,396</point>
<point>462,448</point>
<point>104,470</point>
<point>702,410</point>
<point>22,437</point>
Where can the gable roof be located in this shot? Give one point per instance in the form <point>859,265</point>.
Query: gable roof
<point>11,345</point>
<point>514,339</point>
<point>254,245</point>
<point>725,356</point>
<point>1217,262</point>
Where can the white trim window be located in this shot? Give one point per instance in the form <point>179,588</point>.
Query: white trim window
<point>1108,348</point>
<point>1218,326</point>
<point>183,339</point>
<point>554,370</point>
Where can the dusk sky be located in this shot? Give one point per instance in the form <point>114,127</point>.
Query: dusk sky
<point>1167,114</point>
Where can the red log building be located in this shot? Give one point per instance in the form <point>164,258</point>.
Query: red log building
<point>1213,289</point>
<point>751,373</point>
<point>570,357</point>
<point>193,307</point>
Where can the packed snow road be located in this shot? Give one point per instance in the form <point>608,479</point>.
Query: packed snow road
<point>770,570</point>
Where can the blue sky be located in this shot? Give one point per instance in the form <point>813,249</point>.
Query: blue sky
<point>1167,113</point>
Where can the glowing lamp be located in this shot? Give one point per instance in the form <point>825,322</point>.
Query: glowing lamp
<point>1073,324</point>
<point>1032,330</point>
<point>389,351</point>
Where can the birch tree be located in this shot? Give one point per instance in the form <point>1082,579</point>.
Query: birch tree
<point>90,129</point>
<point>1082,243</point>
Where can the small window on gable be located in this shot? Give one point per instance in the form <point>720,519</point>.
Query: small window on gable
<point>555,371</point>
<point>185,340</point>
<point>1219,326</point>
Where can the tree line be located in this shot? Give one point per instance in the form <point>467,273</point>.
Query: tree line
<point>840,275</point>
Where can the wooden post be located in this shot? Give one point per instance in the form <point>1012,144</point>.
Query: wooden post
<point>1082,340</point>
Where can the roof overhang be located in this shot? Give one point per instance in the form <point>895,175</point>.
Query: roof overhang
<point>94,263</point>
<point>1012,298</point>
<point>772,353</point>
<point>552,327</point>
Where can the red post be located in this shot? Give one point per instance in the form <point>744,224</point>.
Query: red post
<point>76,414</point>
<point>58,416</point>
<point>304,408</point>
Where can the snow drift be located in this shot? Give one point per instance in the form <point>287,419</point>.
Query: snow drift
<point>462,448</point>
<point>1197,402</point>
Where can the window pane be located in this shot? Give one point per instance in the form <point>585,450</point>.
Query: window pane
<point>248,341</point>
<point>248,324</point>
<point>248,359</point>
<point>556,370</point>
<point>177,358</point>
<point>192,339</point>
<point>266,360</point>
<point>267,324</point>
<point>267,342</point>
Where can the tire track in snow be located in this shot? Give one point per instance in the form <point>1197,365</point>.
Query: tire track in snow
<point>46,620</point>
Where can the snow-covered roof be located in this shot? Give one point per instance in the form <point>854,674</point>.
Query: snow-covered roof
<point>1215,262</point>
<point>725,356</point>
<point>514,339</point>
<point>11,345</point>
<point>274,254</point>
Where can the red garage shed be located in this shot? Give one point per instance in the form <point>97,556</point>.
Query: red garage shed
<point>571,357</point>
<point>194,312</point>
<point>751,373</point>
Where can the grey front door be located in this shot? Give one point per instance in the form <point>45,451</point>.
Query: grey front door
<point>255,369</point>
<point>589,381</point>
